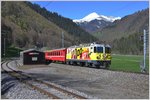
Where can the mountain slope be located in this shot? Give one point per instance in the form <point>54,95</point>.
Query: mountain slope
<point>126,26</point>
<point>64,23</point>
<point>124,35</point>
<point>28,28</point>
<point>94,25</point>
<point>25,28</point>
<point>94,21</point>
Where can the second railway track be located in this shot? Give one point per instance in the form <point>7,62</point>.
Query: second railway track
<point>49,89</point>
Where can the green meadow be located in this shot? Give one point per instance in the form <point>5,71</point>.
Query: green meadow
<point>130,63</point>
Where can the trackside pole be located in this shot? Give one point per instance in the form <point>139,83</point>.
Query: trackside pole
<point>62,39</point>
<point>144,50</point>
<point>4,46</point>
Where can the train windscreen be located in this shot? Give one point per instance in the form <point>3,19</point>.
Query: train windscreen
<point>98,49</point>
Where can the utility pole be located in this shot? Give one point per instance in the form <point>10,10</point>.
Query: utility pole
<point>4,46</point>
<point>62,35</point>
<point>144,51</point>
<point>144,37</point>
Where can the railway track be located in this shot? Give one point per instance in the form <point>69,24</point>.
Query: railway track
<point>48,89</point>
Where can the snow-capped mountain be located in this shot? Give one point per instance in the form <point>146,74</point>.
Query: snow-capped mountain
<point>94,21</point>
<point>94,16</point>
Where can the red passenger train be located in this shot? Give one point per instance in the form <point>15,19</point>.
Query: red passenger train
<point>55,55</point>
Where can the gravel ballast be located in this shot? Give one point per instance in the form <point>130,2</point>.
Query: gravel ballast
<point>97,83</point>
<point>21,91</point>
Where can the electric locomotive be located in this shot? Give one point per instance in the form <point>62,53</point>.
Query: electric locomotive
<point>95,55</point>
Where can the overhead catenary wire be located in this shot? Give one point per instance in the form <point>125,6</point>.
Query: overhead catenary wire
<point>48,4</point>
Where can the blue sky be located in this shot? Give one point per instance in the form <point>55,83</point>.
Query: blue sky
<point>79,9</point>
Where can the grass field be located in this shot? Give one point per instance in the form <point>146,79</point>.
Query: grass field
<point>129,63</point>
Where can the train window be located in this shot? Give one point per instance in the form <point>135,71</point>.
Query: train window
<point>99,49</point>
<point>94,49</point>
<point>107,50</point>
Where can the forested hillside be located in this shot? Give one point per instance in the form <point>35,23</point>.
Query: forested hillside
<point>23,27</point>
<point>64,23</point>
<point>124,35</point>
<point>128,25</point>
<point>26,28</point>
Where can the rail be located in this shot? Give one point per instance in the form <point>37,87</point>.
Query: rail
<point>19,76</point>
